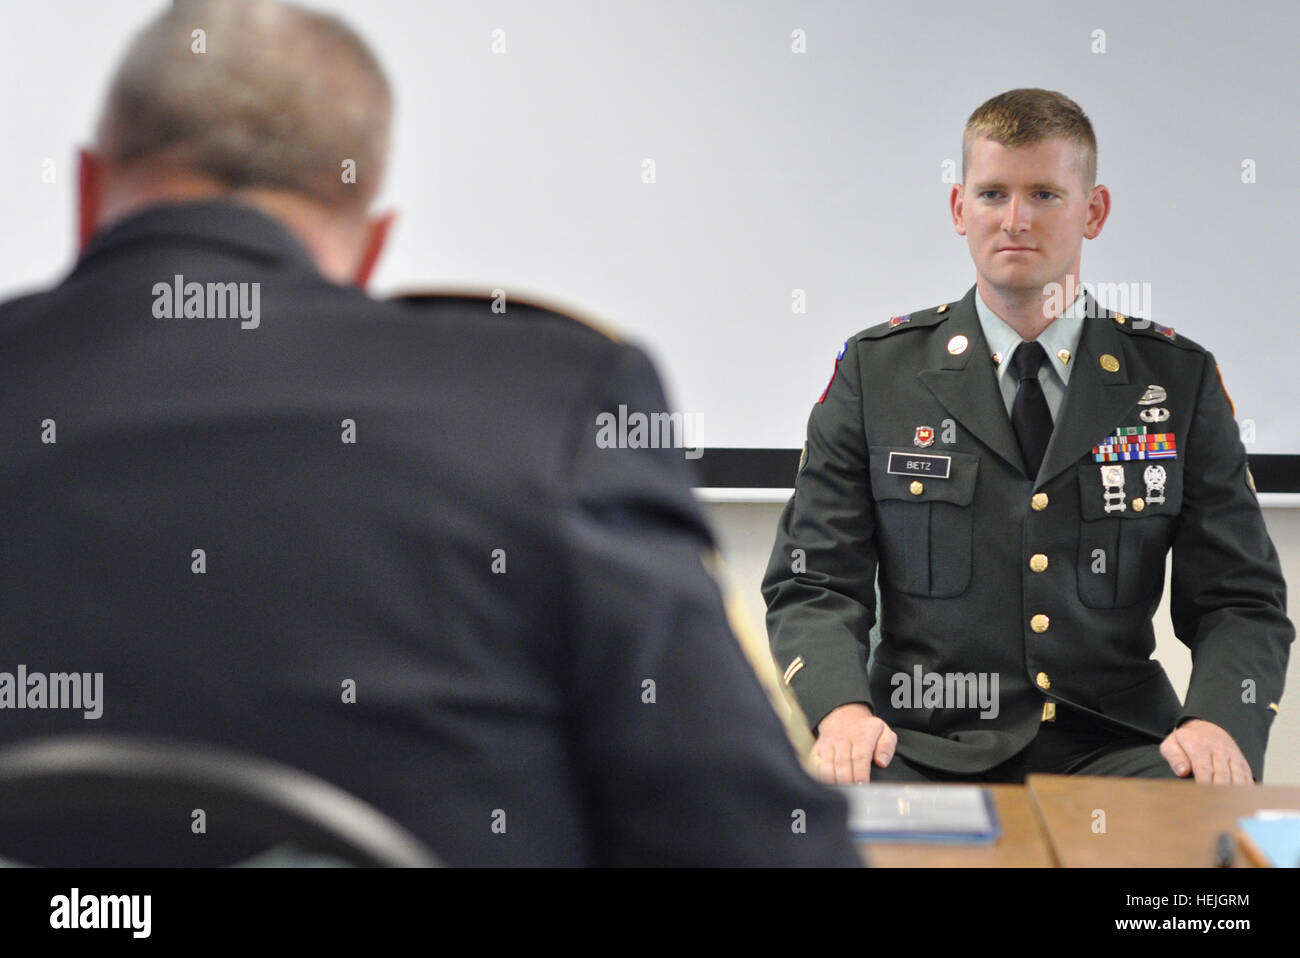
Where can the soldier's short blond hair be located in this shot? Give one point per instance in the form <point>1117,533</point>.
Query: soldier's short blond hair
<point>1026,116</point>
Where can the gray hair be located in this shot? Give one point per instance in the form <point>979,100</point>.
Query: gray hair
<point>281,98</point>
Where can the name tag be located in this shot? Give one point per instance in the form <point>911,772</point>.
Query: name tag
<point>908,464</point>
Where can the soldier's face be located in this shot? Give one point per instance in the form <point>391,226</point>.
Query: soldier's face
<point>1025,212</point>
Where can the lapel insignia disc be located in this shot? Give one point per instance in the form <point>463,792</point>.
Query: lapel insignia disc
<point>957,345</point>
<point>1109,363</point>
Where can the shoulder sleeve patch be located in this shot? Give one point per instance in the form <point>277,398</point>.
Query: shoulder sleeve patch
<point>838,357</point>
<point>1231,407</point>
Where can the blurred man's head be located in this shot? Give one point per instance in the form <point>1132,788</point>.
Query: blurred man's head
<point>272,105</point>
<point>1028,196</point>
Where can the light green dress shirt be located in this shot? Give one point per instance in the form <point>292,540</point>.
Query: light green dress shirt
<point>1061,335</point>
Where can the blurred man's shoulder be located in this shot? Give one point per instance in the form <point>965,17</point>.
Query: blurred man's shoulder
<point>15,305</point>
<point>500,312</point>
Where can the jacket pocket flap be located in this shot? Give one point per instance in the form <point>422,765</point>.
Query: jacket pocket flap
<point>940,477</point>
<point>1151,703</point>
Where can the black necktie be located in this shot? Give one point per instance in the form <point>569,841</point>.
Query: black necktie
<point>1030,417</point>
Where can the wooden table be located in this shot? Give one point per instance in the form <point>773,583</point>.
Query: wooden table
<point>1023,843</point>
<point>1148,822</point>
<point>1083,821</point>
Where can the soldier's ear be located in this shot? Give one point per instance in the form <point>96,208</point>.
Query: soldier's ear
<point>90,195</point>
<point>377,228</point>
<point>1098,211</point>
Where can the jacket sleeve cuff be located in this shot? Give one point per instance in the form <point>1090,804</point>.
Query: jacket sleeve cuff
<point>821,687</point>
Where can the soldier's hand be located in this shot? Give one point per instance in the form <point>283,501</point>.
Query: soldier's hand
<point>1208,751</point>
<point>849,739</point>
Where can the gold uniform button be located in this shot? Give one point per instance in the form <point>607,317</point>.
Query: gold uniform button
<point>1038,562</point>
<point>1109,363</point>
<point>1049,711</point>
<point>1039,623</point>
<point>1138,505</point>
<point>1039,502</point>
<point>1043,681</point>
<point>917,487</point>
<point>1119,318</point>
<point>942,309</point>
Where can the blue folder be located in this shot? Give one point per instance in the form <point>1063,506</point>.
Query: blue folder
<point>955,814</point>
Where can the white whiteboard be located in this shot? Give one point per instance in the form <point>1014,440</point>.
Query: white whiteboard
<point>774,170</point>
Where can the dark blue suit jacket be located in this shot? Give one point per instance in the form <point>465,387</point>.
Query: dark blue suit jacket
<point>453,616</point>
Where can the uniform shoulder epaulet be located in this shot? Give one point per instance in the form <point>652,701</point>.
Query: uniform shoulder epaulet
<point>918,320</point>
<point>498,304</point>
<point>1137,326</point>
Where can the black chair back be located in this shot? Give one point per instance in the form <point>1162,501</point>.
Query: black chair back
<point>103,801</point>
